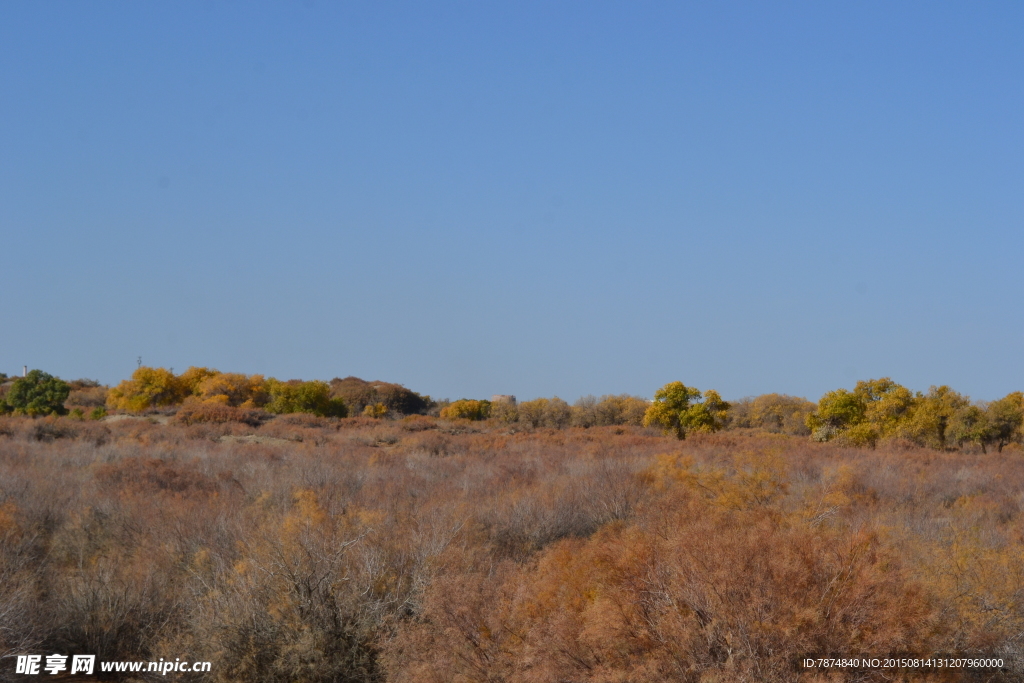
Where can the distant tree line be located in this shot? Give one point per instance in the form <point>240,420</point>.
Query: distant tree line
<point>553,413</point>
<point>151,388</point>
<point>942,418</point>
<point>875,410</point>
<point>157,387</point>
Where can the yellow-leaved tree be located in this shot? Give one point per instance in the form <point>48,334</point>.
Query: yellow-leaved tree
<point>234,389</point>
<point>875,408</point>
<point>680,409</point>
<point>148,388</point>
<point>466,409</point>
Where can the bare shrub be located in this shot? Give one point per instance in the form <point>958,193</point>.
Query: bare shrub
<point>196,413</point>
<point>435,444</point>
<point>417,423</point>
<point>86,395</point>
<point>371,550</point>
<point>153,475</point>
<point>52,428</point>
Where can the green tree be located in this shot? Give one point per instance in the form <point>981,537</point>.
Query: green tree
<point>669,408</point>
<point>38,393</point>
<point>837,411</point>
<point>708,415</point>
<point>875,408</point>
<point>969,424</point>
<point>886,404</point>
<point>304,397</point>
<point>1005,419</point>
<point>929,421</point>
<point>679,409</point>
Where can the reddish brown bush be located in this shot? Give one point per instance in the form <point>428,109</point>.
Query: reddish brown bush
<point>417,423</point>
<point>358,422</point>
<point>315,550</point>
<point>150,475</point>
<point>196,413</point>
<point>303,420</point>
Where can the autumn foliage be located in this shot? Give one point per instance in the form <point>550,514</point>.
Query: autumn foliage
<point>538,542</point>
<point>302,548</point>
<point>466,409</point>
<point>151,388</point>
<point>940,419</point>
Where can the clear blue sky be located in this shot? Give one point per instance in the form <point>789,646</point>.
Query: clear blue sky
<point>508,197</point>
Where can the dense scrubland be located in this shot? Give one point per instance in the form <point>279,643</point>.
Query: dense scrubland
<point>537,541</point>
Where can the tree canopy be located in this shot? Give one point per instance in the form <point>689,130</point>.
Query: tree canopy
<point>679,409</point>
<point>358,394</point>
<point>466,409</point>
<point>304,397</point>
<point>38,393</point>
<point>941,419</point>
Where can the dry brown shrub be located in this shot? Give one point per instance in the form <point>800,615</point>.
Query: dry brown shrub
<point>380,436</point>
<point>86,398</point>
<point>18,631</point>
<point>417,423</point>
<point>357,422</point>
<point>292,607</point>
<point>305,420</point>
<point>456,427</point>
<point>195,413</point>
<point>151,475</point>
<point>601,554</point>
<point>52,428</point>
<point>704,591</point>
<point>472,639</point>
<point>435,444</point>
<point>303,431</point>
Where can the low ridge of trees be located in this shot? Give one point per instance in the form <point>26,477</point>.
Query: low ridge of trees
<point>545,412</point>
<point>152,388</point>
<point>940,419</point>
<point>777,413</point>
<point>874,411</point>
<point>608,410</point>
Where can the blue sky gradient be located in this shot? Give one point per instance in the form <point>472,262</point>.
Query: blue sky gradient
<point>528,198</point>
